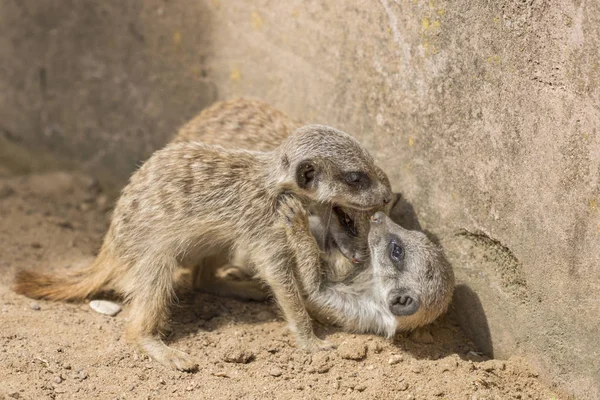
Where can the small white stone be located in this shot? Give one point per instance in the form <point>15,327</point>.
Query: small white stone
<point>105,307</point>
<point>395,359</point>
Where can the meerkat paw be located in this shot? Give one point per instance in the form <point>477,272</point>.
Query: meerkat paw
<point>168,356</point>
<point>176,359</point>
<point>234,273</point>
<point>315,344</point>
<point>292,212</point>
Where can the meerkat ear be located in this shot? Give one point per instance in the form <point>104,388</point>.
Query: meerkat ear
<point>306,174</point>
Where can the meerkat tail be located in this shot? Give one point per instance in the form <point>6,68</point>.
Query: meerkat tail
<point>75,286</point>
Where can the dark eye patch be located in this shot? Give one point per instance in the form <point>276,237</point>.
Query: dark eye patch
<point>396,250</point>
<point>357,179</point>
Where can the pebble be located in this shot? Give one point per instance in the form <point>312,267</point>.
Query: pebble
<point>35,306</point>
<point>403,386</point>
<point>320,362</point>
<point>81,374</point>
<point>57,379</point>
<point>15,395</point>
<point>375,347</point>
<point>395,359</point>
<point>360,388</point>
<point>275,371</point>
<point>449,364</point>
<point>353,350</point>
<point>105,307</point>
<point>239,356</point>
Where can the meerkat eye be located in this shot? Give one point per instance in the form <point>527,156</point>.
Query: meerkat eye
<point>357,179</point>
<point>396,252</point>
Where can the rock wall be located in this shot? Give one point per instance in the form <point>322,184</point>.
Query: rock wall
<point>484,114</point>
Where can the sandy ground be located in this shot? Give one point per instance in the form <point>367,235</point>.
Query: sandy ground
<point>64,351</point>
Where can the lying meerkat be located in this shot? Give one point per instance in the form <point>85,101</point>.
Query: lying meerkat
<point>361,296</point>
<point>191,197</point>
<point>407,284</point>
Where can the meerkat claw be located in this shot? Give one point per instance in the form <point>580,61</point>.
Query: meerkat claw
<point>315,344</point>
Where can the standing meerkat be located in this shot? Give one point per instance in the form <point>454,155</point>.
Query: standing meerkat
<point>367,296</point>
<point>195,197</point>
<point>255,125</point>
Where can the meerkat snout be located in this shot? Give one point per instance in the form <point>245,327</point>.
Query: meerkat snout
<point>378,217</point>
<point>403,302</point>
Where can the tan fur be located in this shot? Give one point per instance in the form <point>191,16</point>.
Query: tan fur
<point>239,123</point>
<point>346,293</point>
<point>255,125</point>
<point>191,197</point>
<point>76,286</point>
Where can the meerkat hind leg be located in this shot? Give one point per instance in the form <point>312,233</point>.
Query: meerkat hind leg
<point>150,312</point>
<point>232,281</point>
<point>228,281</point>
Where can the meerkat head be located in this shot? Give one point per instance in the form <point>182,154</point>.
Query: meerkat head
<point>328,165</point>
<point>412,272</point>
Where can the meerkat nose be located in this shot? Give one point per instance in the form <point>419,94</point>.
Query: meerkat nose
<point>403,303</point>
<point>387,199</point>
<point>378,217</point>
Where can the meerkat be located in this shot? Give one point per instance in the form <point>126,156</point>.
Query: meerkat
<point>407,284</point>
<point>191,197</point>
<point>255,125</point>
<point>359,289</point>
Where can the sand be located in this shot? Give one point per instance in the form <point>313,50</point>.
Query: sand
<point>56,221</point>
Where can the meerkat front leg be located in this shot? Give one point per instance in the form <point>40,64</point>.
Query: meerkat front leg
<point>276,271</point>
<point>347,307</point>
<point>308,254</point>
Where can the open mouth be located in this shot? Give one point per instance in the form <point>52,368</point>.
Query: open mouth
<point>345,221</point>
<point>345,239</point>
